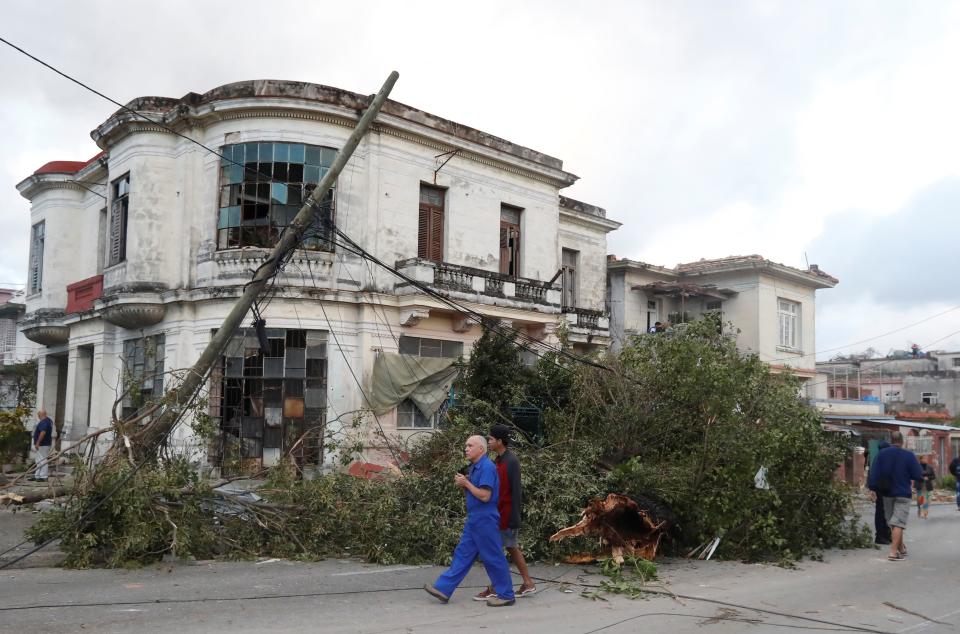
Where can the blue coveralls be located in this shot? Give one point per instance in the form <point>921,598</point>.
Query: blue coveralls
<point>481,536</point>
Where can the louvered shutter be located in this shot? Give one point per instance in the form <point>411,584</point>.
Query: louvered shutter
<point>116,232</point>
<point>436,235</point>
<point>423,234</point>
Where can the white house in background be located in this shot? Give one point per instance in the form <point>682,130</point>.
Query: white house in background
<point>138,254</point>
<point>772,305</point>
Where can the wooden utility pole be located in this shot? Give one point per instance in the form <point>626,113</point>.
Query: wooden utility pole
<point>147,439</point>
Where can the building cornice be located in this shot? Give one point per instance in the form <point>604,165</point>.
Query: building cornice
<point>124,124</point>
<point>590,221</point>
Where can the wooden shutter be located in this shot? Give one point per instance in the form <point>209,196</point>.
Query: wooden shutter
<point>116,232</point>
<point>430,224</point>
<point>36,258</point>
<point>509,249</point>
<point>436,235</point>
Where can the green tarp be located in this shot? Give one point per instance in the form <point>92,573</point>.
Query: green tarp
<point>424,380</point>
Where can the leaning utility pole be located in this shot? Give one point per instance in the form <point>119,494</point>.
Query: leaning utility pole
<point>147,438</point>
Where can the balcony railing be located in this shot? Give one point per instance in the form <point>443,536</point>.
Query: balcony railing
<point>586,318</point>
<point>499,288</point>
<point>82,294</point>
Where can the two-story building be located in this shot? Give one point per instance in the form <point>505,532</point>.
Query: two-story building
<point>770,304</point>
<point>138,254</point>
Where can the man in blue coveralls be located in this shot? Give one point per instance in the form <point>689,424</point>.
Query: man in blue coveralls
<point>481,532</point>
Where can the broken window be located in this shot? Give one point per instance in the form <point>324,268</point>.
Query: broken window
<point>119,217</point>
<point>262,188</point>
<point>36,257</point>
<point>568,265</point>
<point>143,361</point>
<point>510,240</point>
<point>789,313</point>
<point>267,400</point>
<point>422,347</point>
<point>409,416</point>
<point>930,398</point>
<point>430,224</point>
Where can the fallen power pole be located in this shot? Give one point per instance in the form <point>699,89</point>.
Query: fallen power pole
<point>156,430</point>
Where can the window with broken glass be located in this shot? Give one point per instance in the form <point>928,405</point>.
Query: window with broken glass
<point>143,361</point>
<point>409,415</point>
<point>264,185</point>
<point>265,401</point>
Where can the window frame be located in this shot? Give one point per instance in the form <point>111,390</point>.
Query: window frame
<point>38,232</point>
<point>254,213</point>
<point>431,219</point>
<point>410,414</point>
<point>511,242</point>
<point>930,398</point>
<point>119,220</point>
<point>408,342</point>
<point>569,288</point>
<point>788,338</point>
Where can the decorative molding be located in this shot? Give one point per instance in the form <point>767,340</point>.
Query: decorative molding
<point>134,316</point>
<point>48,335</point>
<point>461,324</point>
<point>413,315</point>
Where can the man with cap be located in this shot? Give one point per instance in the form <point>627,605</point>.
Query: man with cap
<point>511,498</point>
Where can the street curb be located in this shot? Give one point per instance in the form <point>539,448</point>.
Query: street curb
<point>49,559</point>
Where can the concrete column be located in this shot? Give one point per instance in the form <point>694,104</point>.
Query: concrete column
<point>97,418</point>
<point>82,364</point>
<point>69,410</point>
<point>47,367</point>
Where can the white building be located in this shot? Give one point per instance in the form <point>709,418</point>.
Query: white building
<point>772,305</point>
<point>138,254</point>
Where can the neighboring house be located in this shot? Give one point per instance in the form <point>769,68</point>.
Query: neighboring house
<point>138,254</point>
<point>919,391</point>
<point>14,348</point>
<point>770,304</point>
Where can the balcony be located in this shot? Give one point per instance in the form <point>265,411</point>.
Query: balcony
<point>82,294</point>
<point>586,319</point>
<point>478,285</point>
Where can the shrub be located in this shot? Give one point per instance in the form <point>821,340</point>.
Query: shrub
<point>947,481</point>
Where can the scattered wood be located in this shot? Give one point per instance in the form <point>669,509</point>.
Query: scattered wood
<point>34,496</point>
<point>625,525</point>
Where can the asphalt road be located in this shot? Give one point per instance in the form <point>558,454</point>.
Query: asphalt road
<point>848,591</point>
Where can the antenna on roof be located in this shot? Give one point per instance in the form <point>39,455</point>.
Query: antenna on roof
<point>806,260</point>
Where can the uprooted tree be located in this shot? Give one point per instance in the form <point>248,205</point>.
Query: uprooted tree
<point>680,420</point>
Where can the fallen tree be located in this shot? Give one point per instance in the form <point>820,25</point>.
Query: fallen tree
<point>680,422</point>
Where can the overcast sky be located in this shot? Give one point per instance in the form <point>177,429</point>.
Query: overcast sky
<point>803,131</point>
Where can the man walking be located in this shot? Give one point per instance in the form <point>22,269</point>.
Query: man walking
<point>955,471</point>
<point>882,531</point>
<point>511,498</point>
<point>42,440</point>
<point>892,476</point>
<point>481,535</point>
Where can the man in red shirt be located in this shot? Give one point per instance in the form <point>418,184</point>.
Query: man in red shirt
<point>508,504</point>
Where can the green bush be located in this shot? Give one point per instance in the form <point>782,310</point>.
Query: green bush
<point>947,481</point>
<point>14,435</point>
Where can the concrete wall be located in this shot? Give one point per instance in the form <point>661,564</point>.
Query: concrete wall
<point>171,242</point>
<point>947,387</point>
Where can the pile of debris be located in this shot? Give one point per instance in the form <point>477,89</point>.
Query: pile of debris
<point>626,525</point>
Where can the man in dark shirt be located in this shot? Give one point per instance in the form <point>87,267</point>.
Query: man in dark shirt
<point>955,472</point>
<point>42,440</point>
<point>511,498</point>
<point>892,476</point>
<point>480,536</point>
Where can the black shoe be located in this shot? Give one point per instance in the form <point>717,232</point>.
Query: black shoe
<point>882,542</point>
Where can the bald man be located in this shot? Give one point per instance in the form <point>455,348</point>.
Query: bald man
<point>481,532</point>
<point>42,440</point>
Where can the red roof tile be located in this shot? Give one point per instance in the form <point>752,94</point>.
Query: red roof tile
<point>66,167</point>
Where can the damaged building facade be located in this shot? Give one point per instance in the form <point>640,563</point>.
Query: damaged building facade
<point>138,254</point>
<point>772,306</point>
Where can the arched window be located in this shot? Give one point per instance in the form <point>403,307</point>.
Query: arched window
<point>263,196</point>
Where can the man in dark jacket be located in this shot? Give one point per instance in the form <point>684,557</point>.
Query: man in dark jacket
<point>882,536</point>
<point>892,476</point>
<point>509,503</point>
<point>955,471</point>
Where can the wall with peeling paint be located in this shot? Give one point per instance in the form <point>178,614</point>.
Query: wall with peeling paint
<point>173,261</point>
